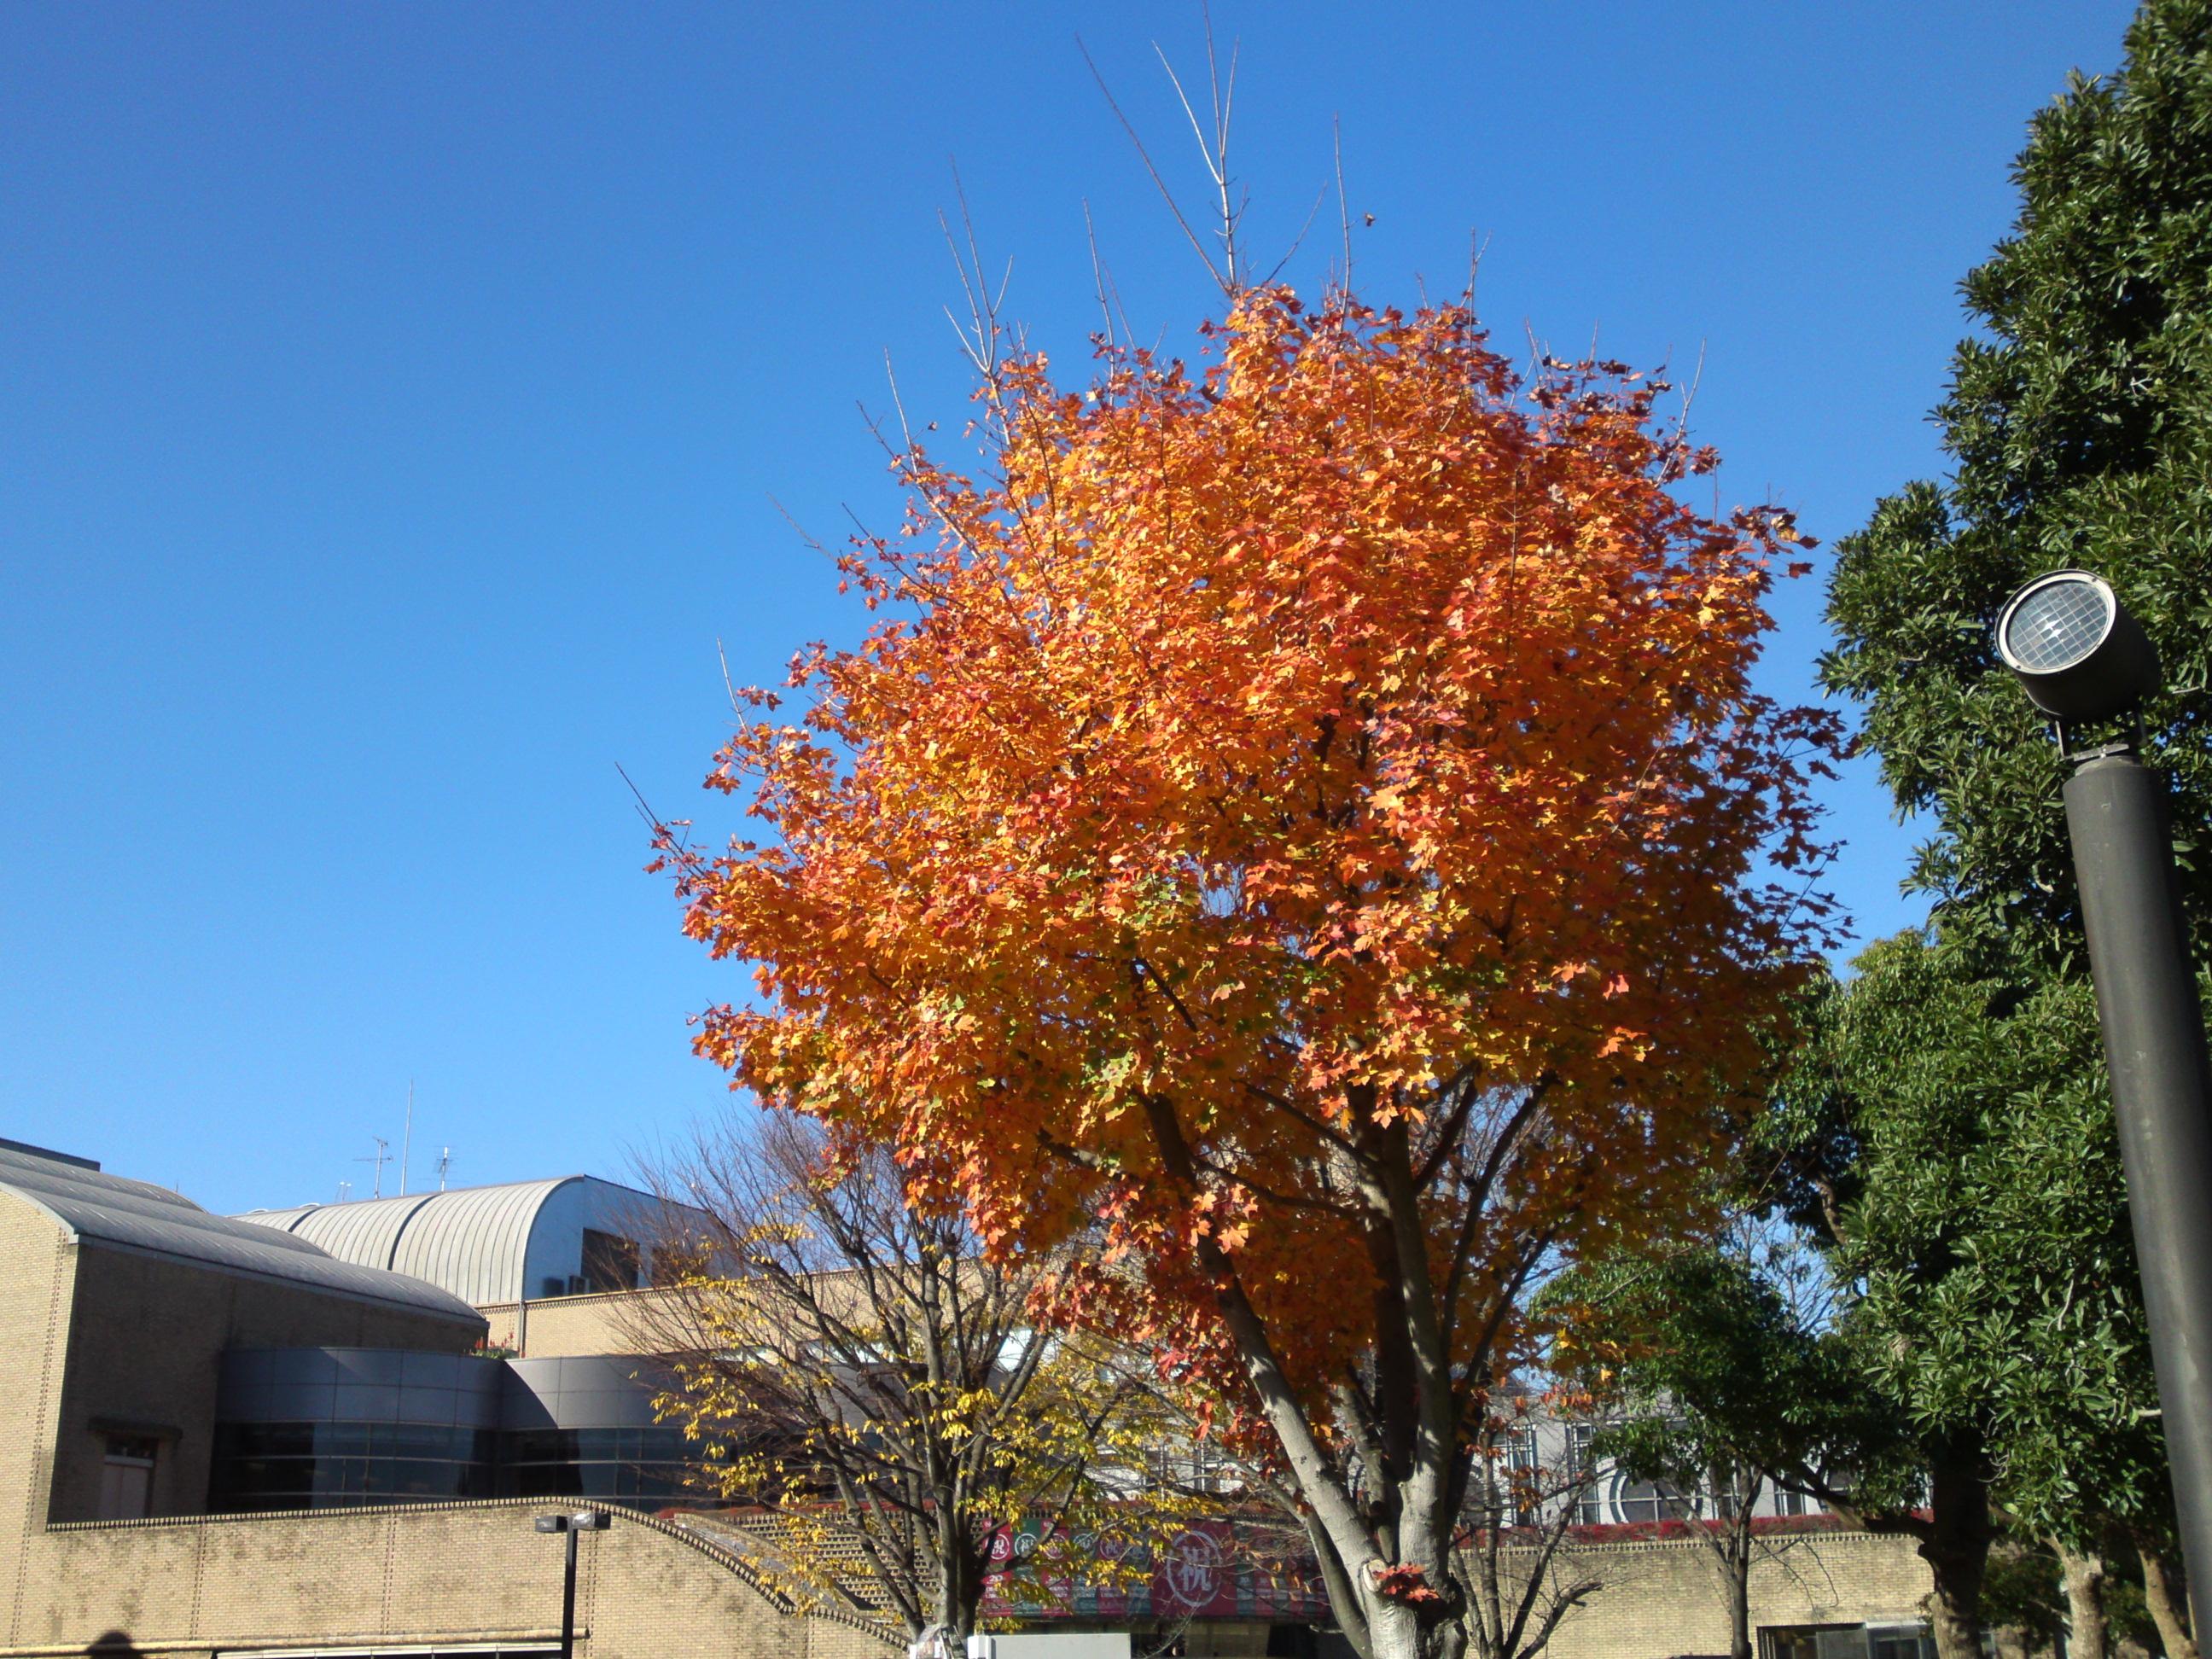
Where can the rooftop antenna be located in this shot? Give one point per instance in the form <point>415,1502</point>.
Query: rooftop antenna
<point>445,1157</point>
<point>345,1188</point>
<point>383,1157</point>
<point>407,1139</point>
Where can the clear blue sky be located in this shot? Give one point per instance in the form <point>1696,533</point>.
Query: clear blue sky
<point>394,395</point>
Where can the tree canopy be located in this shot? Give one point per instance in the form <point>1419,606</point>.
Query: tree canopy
<point>1301,819</point>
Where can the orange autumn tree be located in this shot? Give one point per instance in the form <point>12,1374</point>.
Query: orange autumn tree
<point>1308,829</point>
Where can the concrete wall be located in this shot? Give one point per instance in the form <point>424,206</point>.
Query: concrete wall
<point>145,1347</point>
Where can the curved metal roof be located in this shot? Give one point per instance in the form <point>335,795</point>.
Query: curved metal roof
<point>136,1215</point>
<point>367,1233</point>
<point>472,1241</point>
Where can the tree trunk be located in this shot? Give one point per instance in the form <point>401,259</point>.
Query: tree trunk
<point>1487,1613</point>
<point>1397,1564</point>
<point>2085,1602</point>
<point>1735,1495</point>
<point>947,1611</point>
<point>1739,1605</point>
<point>961,1564</point>
<point>1957,1545</point>
<point>1746,1486</point>
<point>2167,1608</point>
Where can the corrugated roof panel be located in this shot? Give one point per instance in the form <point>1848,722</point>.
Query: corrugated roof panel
<point>29,1167</point>
<point>366,1233</point>
<point>473,1241</point>
<point>138,1215</point>
<point>282,1220</point>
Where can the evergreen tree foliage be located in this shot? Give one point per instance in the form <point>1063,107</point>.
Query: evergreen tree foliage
<point>1949,1140</point>
<point>2082,429</point>
<point>1952,1133</point>
<point>1722,1382</point>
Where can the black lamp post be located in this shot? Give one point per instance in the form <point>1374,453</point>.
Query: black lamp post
<point>2083,659</point>
<point>582,1521</point>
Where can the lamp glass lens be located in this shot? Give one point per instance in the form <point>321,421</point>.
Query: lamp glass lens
<point>2054,626</point>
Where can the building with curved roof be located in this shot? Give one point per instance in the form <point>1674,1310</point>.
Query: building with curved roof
<point>140,1336</point>
<point>144,1219</point>
<point>570,1236</point>
<point>144,1293</point>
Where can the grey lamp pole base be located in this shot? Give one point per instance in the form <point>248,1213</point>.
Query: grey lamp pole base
<point>2154,1048</point>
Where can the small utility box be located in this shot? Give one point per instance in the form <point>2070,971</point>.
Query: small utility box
<point>1089,1645</point>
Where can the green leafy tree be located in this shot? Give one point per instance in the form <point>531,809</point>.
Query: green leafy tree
<point>1947,1138</point>
<point>2080,424</point>
<point>1727,1385</point>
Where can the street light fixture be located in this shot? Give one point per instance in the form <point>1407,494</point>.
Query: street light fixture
<point>2083,659</point>
<point>581,1521</point>
<point>2077,651</point>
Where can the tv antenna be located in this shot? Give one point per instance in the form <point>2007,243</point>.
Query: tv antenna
<point>383,1157</point>
<point>445,1157</point>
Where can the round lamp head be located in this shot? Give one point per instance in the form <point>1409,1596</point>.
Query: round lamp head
<point>2078,652</point>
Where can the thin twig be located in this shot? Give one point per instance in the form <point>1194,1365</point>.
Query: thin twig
<point>1343,207</point>
<point>897,402</point>
<point>1098,271</point>
<point>727,685</point>
<point>1145,156</point>
<point>1299,241</point>
<point>1215,154</point>
<point>801,529</point>
<point>1682,422</point>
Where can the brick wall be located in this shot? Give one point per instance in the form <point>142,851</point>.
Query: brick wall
<point>37,1276</point>
<point>562,1326</point>
<point>1664,1598</point>
<point>472,1572</point>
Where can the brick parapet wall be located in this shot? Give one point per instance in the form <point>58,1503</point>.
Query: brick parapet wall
<point>418,1574</point>
<point>1663,1597</point>
<point>410,1575</point>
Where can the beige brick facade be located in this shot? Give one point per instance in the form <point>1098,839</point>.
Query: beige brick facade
<point>1663,1599</point>
<point>408,1576</point>
<point>91,1336</point>
<point>563,1326</point>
